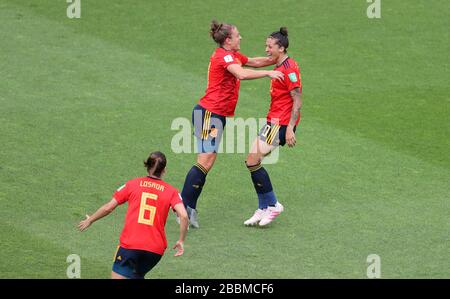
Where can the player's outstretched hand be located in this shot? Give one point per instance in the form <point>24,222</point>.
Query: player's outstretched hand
<point>180,247</point>
<point>276,75</point>
<point>83,225</point>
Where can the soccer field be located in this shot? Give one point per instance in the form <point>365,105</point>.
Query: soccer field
<point>84,101</point>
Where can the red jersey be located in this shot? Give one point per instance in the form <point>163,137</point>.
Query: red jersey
<point>149,201</point>
<point>222,91</point>
<point>281,101</point>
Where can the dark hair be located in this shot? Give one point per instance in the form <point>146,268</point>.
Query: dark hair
<point>155,163</point>
<point>220,32</point>
<point>281,37</point>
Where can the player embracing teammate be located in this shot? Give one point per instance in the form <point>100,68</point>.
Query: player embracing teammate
<point>209,115</point>
<point>143,239</point>
<point>219,102</point>
<point>282,121</point>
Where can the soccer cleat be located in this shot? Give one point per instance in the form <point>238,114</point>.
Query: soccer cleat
<point>192,214</point>
<point>271,214</point>
<point>257,216</point>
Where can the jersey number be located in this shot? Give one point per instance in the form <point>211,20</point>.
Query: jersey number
<point>146,207</point>
<point>266,131</point>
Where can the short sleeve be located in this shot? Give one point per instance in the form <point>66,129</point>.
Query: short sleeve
<point>176,199</point>
<point>122,194</point>
<point>233,58</point>
<point>292,79</point>
<point>243,59</point>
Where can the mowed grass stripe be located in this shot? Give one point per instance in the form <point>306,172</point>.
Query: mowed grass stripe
<point>29,256</point>
<point>54,139</point>
<point>346,199</point>
<point>323,251</point>
<point>373,55</point>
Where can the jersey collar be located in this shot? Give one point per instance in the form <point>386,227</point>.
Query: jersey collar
<point>287,57</point>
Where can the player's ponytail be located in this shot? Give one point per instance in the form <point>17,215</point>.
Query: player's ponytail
<point>220,31</point>
<point>281,37</point>
<point>155,164</point>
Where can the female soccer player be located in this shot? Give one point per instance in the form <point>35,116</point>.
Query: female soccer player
<point>143,239</point>
<point>282,120</point>
<point>209,116</point>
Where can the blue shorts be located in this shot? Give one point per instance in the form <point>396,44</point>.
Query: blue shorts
<point>274,134</point>
<point>208,128</point>
<point>133,263</point>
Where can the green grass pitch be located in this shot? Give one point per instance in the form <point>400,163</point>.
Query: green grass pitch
<point>83,102</point>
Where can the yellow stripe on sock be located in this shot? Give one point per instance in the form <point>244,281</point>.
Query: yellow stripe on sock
<point>254,167</point>
<point>202,169</point>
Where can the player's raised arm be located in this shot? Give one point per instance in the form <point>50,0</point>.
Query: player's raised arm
<point>247,74</point>
<point>184,222</point>
<point>260,61</point>
<point>103,211</point>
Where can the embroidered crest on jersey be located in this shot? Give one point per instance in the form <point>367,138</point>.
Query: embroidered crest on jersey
<point>214,132</point>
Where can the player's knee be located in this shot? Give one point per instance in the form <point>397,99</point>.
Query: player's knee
<point>252,159</point>
<point>115,275</point>
<point>208,164</point>
<point>207,160</point>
